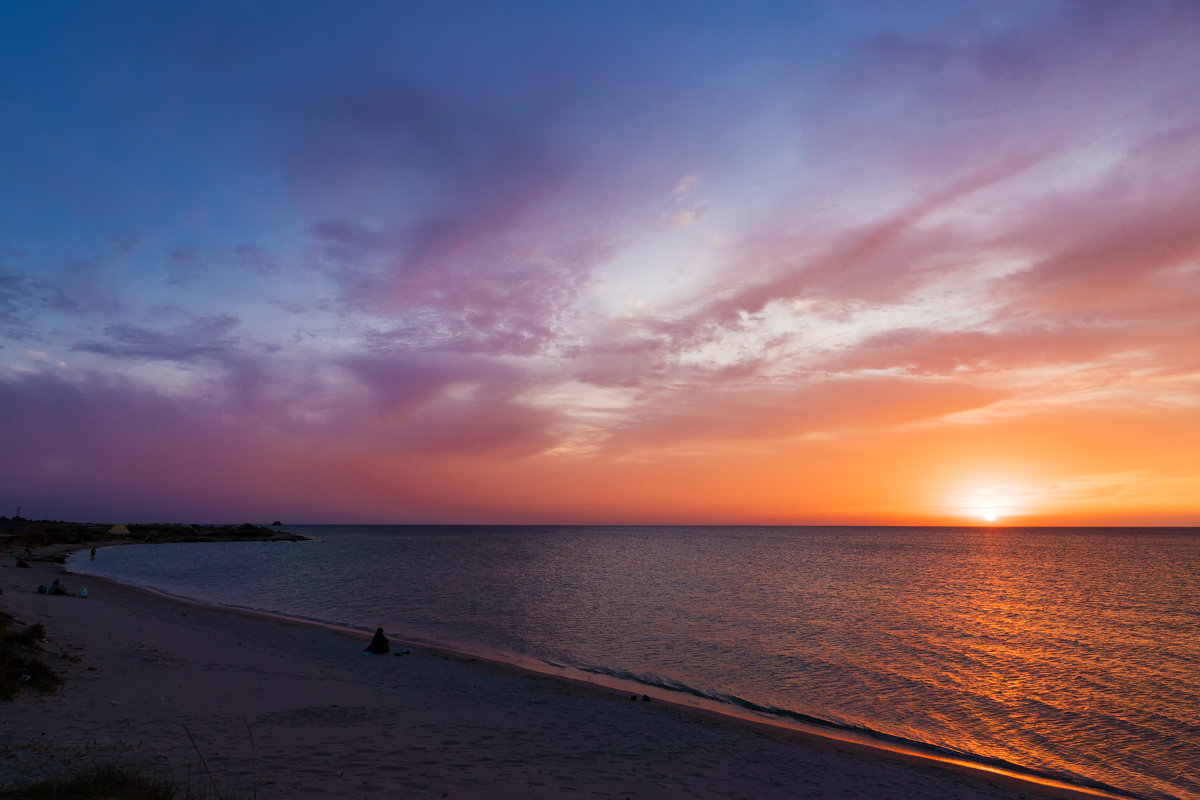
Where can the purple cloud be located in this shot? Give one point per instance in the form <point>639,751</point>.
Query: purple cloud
<point>253,258</point>
<point>204,337</point>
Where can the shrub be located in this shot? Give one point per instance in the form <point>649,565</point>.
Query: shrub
<point>19,663</point>
<point>34,633</point>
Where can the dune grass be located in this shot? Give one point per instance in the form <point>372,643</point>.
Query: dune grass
<point>108,780</point>
<point>20,663</point>
<point>105,774</point>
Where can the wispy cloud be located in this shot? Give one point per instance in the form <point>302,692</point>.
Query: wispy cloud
<point>430,249</point>
<point>199,338</point>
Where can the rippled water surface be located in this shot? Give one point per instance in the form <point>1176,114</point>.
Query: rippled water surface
<point>1073,651</point>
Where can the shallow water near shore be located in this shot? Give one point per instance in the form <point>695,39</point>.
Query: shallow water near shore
<point>1068,651</point>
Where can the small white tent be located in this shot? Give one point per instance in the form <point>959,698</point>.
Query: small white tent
<point>119,530</point>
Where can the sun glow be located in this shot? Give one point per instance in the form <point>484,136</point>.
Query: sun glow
<point>990,513</point>
<point>989,502</point>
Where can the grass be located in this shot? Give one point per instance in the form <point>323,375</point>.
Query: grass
<point>107,780</point>
<point>106,773</point>
<point>20,665</point>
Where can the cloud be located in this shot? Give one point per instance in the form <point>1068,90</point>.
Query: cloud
<point>448,404</point>
<point>926,216</point>
<point>474,252</point>
<point>686,186</point>
<point>462,290</point>
<point>1017,240</point>
<point>256,259</point>
<point>742,408</point>
<point>1125,250</point>
<point>185,265</point>
<point>105,448</point>
<point>204,337</point>
<point>71,426</point>
<point>23,298</point>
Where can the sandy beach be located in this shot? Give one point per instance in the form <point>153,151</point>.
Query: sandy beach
<point>283,709</point>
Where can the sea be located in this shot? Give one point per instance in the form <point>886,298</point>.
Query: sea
<point>1072,653</point>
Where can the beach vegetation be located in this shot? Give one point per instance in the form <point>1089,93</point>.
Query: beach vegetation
<point>94,772</point>
<point>27,636</point>
<point>20,663</point>
<point>104,779</point>
<point>29,535</point>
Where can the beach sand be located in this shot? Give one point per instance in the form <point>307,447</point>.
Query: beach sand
<point>283,709</point>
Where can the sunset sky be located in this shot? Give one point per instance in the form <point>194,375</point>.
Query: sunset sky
<point>798,262</point>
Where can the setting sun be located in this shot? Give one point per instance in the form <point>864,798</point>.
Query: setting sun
<point>991,499</point>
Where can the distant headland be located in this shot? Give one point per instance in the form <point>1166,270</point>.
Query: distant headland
<point>17,533</point>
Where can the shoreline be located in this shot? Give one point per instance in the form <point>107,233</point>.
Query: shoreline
<point>818,732</point>
<point>855,762</point>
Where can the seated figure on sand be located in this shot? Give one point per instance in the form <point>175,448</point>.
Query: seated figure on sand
<point>59,588</point>
<point>379,644</point>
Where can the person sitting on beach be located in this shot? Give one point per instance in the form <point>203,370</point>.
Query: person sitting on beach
<point>379,645</point>
<point>22,563</point>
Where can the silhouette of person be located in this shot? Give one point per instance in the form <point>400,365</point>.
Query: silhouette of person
<point>379,644</point>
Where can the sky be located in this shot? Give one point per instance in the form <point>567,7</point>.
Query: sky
<point>601,262</point>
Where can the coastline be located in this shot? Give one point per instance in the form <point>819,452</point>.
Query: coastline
<point>284,707</point>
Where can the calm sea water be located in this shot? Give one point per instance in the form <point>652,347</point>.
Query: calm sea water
<point>1069,651</point>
